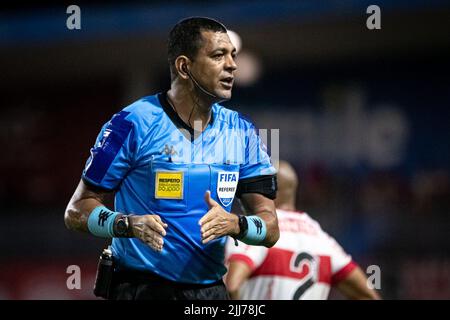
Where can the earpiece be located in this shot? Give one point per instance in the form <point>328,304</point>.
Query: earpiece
<point>185,69</point>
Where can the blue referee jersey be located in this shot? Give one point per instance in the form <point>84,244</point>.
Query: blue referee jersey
<point>156,165</point>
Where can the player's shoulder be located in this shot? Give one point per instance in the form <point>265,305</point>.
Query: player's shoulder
<point>318,228</point>
<point>294,213</point>
<point>302,216</point>
<point>143,109</point>
<point>232,117</point>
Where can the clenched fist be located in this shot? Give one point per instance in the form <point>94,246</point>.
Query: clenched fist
<point>150,229</point>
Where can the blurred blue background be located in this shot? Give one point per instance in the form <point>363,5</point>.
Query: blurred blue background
<point>363,117</point>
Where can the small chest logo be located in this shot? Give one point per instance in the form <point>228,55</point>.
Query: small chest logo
<point>169,151</point>
<point>226,186</point>
<point>169,185</point>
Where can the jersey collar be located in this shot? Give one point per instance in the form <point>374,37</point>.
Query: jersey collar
<point>179,123</point>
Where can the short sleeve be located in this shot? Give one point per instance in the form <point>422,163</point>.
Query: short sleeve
<point>112,155</point>
<point>341,262</point>
<point>257,161</point>
<point>253,256</point>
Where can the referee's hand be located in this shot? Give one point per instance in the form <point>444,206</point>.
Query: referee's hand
<point>217,222</point>
<point>150,229</point>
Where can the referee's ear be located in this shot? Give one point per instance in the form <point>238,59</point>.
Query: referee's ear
<point>181,65</point>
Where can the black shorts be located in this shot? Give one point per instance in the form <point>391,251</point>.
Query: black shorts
<point>135,285</point>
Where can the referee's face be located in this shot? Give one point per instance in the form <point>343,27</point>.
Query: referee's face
<point>214,65</point>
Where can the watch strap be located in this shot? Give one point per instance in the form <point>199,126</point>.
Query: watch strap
<point>243,227</point>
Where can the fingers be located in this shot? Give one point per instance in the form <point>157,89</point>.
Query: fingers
<point>210,201</point>
<point>208,239</point>
<point>212,205</point>
<point>207,230</point>
<point>210,233</point>
<point>213,230</point>
<point>158,219</point>
<point>214,224</point>
<point>206,223</point>
<point>155,232</point>
<point>150,229</point>
<point>154,240</point>
<point>207,217</point>
<point>157,224</point>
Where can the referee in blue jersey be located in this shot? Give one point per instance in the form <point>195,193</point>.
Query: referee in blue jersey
<point>174,162</point>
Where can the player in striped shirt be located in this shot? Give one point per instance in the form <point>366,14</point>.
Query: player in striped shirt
<point>304,264</point>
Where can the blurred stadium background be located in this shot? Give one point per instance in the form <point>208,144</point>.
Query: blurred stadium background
<point>363,116</point>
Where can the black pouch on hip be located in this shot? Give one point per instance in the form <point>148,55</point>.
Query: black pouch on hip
<point>105,270</point>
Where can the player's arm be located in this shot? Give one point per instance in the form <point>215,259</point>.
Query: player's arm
<point>355,287</point>
<point>238,273</point>
<point>87,212</point>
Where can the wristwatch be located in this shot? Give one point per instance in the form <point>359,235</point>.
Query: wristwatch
<point>243,227</point>
<point>121,227</point>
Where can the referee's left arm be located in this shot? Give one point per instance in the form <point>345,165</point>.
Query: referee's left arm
<point>264,208</point>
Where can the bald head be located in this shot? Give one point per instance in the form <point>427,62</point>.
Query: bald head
<point>287,186</point>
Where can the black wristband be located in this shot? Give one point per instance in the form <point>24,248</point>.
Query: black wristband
<point>243,227</point>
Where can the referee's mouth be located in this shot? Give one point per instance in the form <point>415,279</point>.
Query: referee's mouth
<point>227,82</point>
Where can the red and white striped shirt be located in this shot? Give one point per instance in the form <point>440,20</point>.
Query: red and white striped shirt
<point>303,264</point>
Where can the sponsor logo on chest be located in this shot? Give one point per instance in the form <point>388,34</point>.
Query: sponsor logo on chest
<point>169,185</point>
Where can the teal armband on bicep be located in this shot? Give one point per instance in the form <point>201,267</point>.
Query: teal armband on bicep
<point>101,222</point>
<point>256,230</point>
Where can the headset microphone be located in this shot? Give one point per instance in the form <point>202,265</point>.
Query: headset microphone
<point>185,69</point>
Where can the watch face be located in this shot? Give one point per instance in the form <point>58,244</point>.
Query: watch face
<point>121,227</point>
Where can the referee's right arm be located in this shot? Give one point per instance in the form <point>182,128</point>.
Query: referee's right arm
<point>85,199</point>
<point>87,212</point>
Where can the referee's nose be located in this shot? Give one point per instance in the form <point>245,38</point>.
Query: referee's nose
<point>230,64</point>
